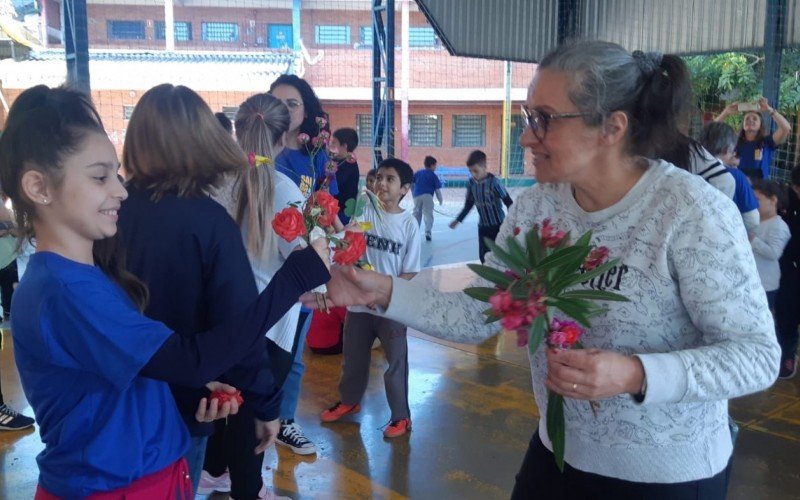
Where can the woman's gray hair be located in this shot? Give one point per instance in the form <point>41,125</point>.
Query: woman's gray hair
<point>652,89</point>
<point>605,77</point>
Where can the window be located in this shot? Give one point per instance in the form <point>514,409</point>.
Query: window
<point>127,111</point>
<point>425,130</point>
<point>365,36</point>
<point>422,37</point>
<point>126,30</point>
<point>280,36</point>
<point>364,129</point>
<point>230,112</point>
<point>183,31</point>
<point>469,131</point>
<point>332,34</point>
<point>220,32</point>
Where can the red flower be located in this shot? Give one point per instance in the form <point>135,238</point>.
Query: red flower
<point>549,236</point>
<point>501,302</point>
<point>522,337</point>
<point>564,333</point>
<point>289,224</point>
<point>517,231</point>
<point>224,397</point>
<point>353,247</point>
<point>513,319</point>
<point>596,257</point>
<point>535,306</point>
<point>329,206</point>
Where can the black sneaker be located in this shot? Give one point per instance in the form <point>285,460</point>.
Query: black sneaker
<point>291,435</point>
<point>427,237</point>
<point>13,421</point>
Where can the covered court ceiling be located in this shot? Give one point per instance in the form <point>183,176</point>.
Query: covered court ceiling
<point>525,30</point>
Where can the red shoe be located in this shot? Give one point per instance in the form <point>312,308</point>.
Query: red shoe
<point>397,428</point>
<point>338,411</point>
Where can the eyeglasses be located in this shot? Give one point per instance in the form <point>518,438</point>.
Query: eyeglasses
<point>293,104</point>
<point>538,121</point>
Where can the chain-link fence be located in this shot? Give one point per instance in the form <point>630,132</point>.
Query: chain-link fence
<point>444,106</point>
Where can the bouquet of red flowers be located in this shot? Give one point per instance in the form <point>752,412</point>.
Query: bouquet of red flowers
<point>540,279</point>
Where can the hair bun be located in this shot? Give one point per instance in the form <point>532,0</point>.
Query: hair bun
<point>649,63</point>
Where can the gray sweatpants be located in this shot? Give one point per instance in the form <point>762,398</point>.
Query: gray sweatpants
<point>360,329</point>
<point>423,207</point>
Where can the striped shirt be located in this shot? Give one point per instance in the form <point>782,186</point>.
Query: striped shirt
<point>488,195</point>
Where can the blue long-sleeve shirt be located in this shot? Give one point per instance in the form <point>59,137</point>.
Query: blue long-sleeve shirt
<point>488,195</point>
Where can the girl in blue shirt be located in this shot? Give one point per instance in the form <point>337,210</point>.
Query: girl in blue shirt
<point>295,160</point>
<point>756,145</point>
<point>92,366</point>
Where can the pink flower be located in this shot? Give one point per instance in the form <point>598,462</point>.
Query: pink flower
<point>597,257</point>
<point>303,138</point>
<point>550,236</point>
<point>321,121</point>
<point>324,133</point>
<point>535,306</point>
<point>522,337</point>
<point>351,158</point>
<point>564,333</point>
<point>513,320</point>
<point>517,230</point>
<point>501,302</point>
<point>251,158</point>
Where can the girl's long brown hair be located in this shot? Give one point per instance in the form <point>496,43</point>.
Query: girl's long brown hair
<point>175,143</point>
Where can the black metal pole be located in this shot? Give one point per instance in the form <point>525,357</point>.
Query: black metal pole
<point>774,28</point>
<point>76,43</point>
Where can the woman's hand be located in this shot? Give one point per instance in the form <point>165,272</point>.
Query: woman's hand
<point>266,433</point>
<point>763,105</point>
<point>730,109</point>
<point>323,250</point>
<point>592,373</point>
<point>353,287</point>
<point>210,411</point>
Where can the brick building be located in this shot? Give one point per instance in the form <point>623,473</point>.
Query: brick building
<point>227,50</point>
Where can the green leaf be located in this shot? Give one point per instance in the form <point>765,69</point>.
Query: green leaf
<point>491,274</point>
<point>481,293</point>
<point>589,275</point>
<point>516,251</point>
<point>584,240</point>
<point>516,265</point>
<point>351,208</point>
<point>579,311</point>
<point>535,251</point>
<point>490,316</point>
<point>556,427</point>
<point>569,258</point>
<point>593,295</point>
<point>536,333</point>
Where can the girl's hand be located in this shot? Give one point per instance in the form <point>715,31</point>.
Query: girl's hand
<point>730,109</point>
<point>763,105</point>
<point>210,411</point>
<point>353,287</point>
<point>320,245</point>
<point>592,374</point>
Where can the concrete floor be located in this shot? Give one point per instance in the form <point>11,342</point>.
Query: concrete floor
<point>473,414</point>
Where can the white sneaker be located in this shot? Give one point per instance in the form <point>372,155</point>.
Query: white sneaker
<point>291,436</point>
<point>209,484</point>
<point>265,494</point>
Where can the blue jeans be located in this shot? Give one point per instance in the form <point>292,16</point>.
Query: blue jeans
<point>291,386</point>
<point>194,458</point>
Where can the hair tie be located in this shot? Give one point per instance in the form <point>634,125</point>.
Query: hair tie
<point>260,116</point>
<point>257,160</point>
<point>649,63</point>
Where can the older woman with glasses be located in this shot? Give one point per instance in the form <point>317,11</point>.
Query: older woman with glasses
<point>697,329</point>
